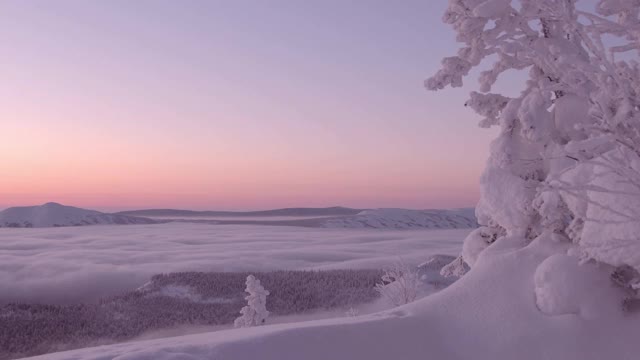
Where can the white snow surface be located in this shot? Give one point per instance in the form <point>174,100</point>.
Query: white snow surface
<point>54,215</point>
<point>406,219</point>
<point>71,264</point>
<point>490,313</point>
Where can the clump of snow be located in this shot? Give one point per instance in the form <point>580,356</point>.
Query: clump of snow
<point>607,204</point>
<point>406,219</point>
<point>564,286</point>
<point>475,243</point>
<point>55,215</point>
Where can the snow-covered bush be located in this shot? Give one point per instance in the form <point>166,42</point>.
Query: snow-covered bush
<point>255,313</point>
<point>400,284</point>
<point>567,157</point>
<point>352,312</point>
<point>456,268</point>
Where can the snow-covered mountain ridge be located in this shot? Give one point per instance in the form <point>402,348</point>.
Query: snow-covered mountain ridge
<point>54,215</point>
<point>406,219</point>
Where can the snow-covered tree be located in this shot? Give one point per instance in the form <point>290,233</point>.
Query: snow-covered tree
<point>400,284</point>
<point>352,312</point>
<point>566,162</point>
<point>255,313</point>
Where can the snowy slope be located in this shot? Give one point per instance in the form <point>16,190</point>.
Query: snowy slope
<point>53,214</point>
<point>493,312</point>
<point>406,219</point>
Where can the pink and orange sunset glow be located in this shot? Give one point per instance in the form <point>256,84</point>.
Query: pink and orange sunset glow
<point>232,105</point>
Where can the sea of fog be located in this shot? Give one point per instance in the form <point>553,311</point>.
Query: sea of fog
<point>78,264</point>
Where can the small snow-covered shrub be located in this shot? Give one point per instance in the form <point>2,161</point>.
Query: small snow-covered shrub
<point>455,268</point>
<point>255,313</point>
<point>400,284</point>
<point>476,242</point>
<point>352,312</point>
<point>433,274</point>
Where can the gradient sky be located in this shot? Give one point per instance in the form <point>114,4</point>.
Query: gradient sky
<point>232,105</point>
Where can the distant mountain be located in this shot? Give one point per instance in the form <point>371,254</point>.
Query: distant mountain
<point>374,219</point>
<point>406,219</point>
<point>54,214</point>
<point>306,212</point>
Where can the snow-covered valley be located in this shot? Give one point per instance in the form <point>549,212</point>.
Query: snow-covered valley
<point>63,265</point>
<point>81,265</point>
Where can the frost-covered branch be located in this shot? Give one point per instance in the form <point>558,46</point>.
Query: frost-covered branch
<point>567,159</point>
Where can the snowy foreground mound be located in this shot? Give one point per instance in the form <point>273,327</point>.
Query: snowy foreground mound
<point>500,310</point>
<point>406,219</point>
<point>53,214</point>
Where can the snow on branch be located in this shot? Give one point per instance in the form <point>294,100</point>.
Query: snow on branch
<point>567,158</point>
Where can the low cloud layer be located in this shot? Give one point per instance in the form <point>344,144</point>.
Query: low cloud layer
<point>81,264</point>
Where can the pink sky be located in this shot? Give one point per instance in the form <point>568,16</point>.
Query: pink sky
<point>232,105</point>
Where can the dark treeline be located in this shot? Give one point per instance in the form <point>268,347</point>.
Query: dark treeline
<point>215,299</point>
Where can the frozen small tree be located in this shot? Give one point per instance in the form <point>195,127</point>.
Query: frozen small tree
<point>352,312</point>
<point>255,313</point>
<point>400,284</point>
<point>566,162</point>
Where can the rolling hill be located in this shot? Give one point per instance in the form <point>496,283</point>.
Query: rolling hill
<point>54,215</point>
